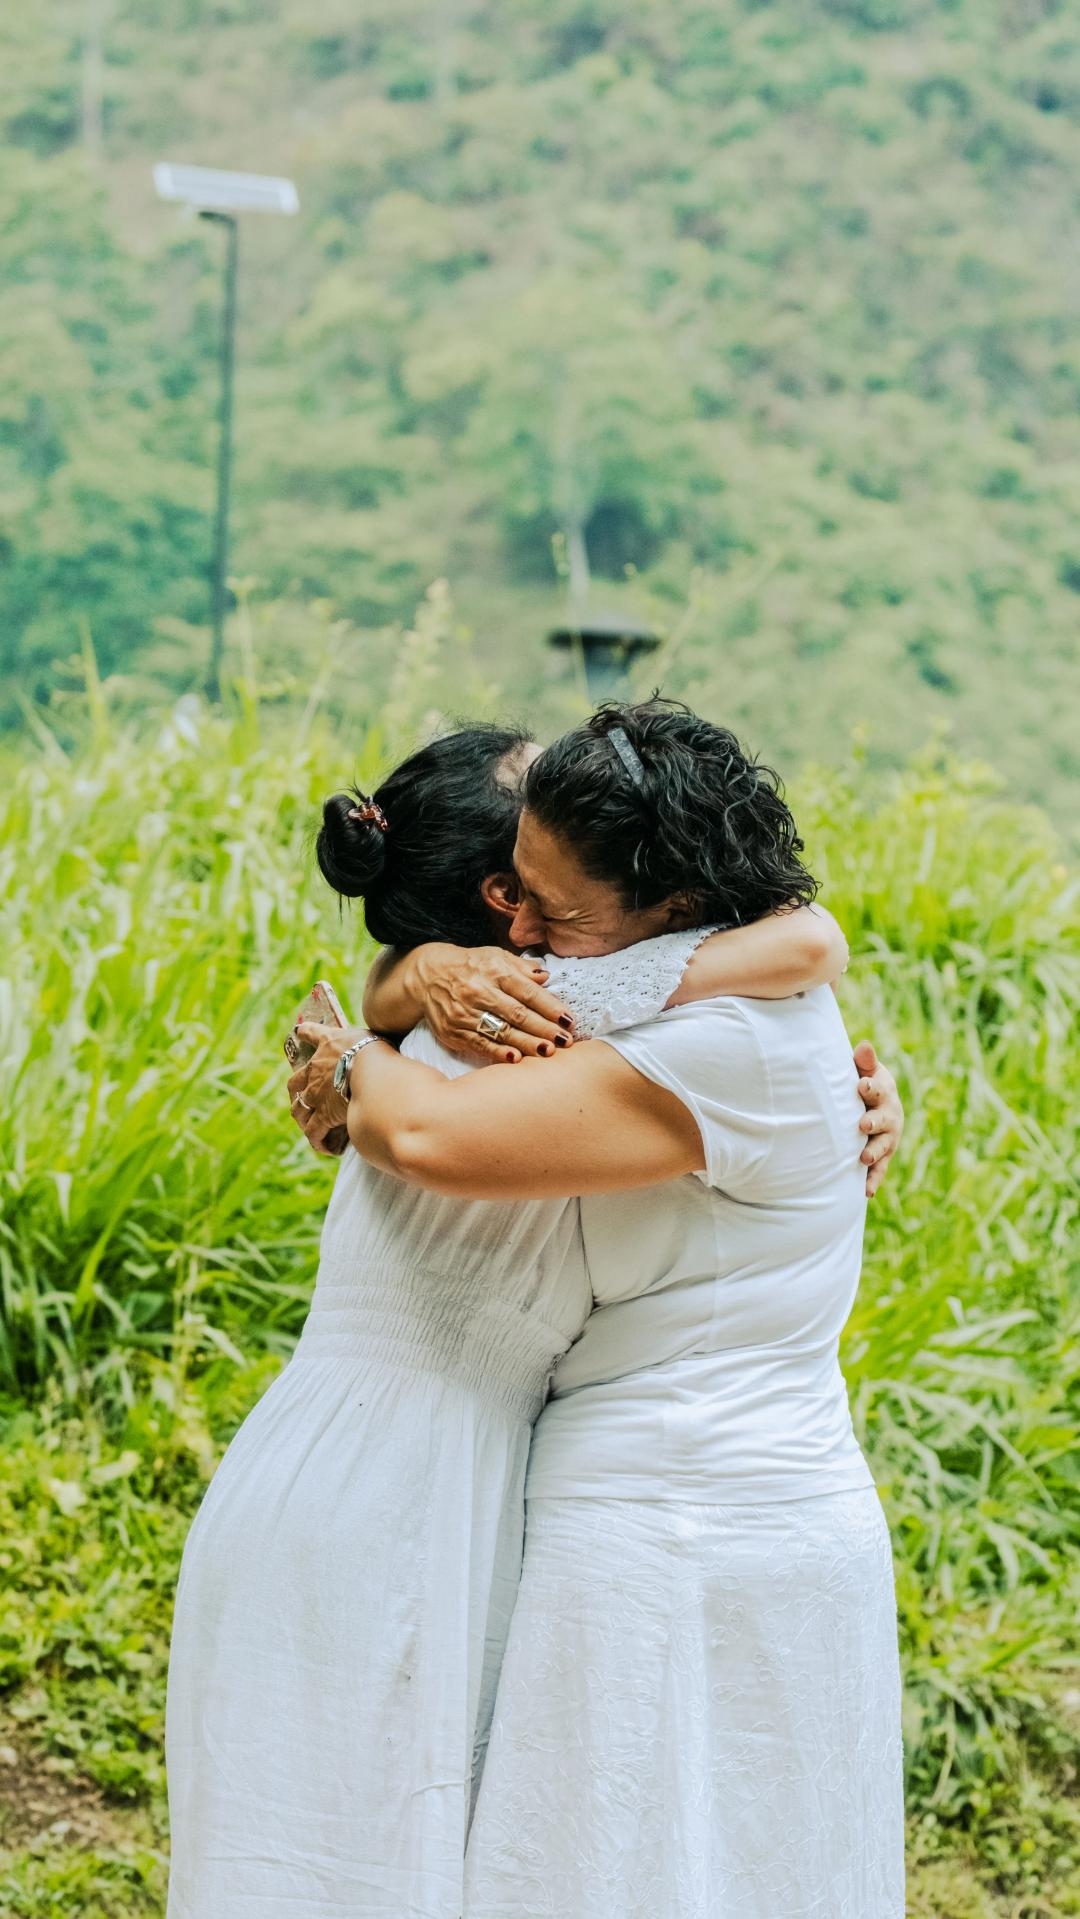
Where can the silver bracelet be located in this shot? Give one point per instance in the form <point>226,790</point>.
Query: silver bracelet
<point>344,1065</point>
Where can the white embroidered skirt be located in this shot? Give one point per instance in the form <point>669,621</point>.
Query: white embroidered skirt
<point>698,1718</point>
<point>344,1598</point>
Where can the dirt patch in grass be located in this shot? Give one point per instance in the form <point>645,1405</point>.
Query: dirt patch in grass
<point>43,1801</point>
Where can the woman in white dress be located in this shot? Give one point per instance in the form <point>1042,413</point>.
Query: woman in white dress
<point>347,1585</point>
<point>699,1714</point>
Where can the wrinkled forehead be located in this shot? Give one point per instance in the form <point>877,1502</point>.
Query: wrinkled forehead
<point>545,865</point>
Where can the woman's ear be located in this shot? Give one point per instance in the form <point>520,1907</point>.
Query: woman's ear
<point>501,894</point>
<point>683,911</point>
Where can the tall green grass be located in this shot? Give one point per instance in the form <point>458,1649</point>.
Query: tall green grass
<point>160,922</point>
<point>160,915</point>
<point>963,1354</point>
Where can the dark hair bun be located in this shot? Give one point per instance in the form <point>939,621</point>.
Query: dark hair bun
<point>351,852</point>
<point>420,848</point>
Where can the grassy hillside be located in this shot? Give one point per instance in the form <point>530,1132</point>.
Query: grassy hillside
<point>162,914</point>
<point>765,314</point>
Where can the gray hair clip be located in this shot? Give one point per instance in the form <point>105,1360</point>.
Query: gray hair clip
<point>627,754</point>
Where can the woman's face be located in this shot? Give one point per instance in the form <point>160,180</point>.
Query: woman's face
<point>563,910</point>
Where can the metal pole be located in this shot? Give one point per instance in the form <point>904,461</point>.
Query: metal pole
<point>221,526</point>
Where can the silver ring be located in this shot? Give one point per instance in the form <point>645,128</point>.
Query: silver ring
<point>491,1026</point>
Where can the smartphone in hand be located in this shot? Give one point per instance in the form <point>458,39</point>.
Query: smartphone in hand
<point>321,1008</point>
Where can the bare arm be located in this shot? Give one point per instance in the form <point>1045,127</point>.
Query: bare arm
<point>323,1115</point>
<point>594,1126</point>
<point>774,957</point>
<point>450,986</point>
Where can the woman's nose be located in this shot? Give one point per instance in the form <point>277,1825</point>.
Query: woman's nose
<point>526,927</point>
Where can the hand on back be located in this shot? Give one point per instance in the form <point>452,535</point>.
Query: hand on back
<point>884,1116</point>
<point>462,984</point>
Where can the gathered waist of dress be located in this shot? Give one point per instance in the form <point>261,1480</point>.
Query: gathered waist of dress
<point>746,1426</point>
<point>382,1316</point>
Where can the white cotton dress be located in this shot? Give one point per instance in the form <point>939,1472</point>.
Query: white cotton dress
<point>347,1585</point>
<point>699,1710</point>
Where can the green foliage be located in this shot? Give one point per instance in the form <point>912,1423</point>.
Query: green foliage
<point>962,1353</point>
<point>94,1885</point>
<point>768,293</point>
<point>91,1529</point>
<point>104,509</point>
<point>163,916</point>
<point>159,1222</point>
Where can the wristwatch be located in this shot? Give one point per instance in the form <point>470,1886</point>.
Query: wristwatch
<point>344,1065</point>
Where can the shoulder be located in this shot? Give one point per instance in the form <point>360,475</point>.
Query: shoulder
<point>609,991</point>
<point>711,1023</point>
<point>759,1040</point>
<point>712,1046</point>
<point>759,1025</point>
<point>709,1055</point>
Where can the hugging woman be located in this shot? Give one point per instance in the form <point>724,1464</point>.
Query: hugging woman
<point>348,1584</point>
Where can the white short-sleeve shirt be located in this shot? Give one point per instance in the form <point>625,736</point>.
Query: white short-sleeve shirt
<point>709,1367</point>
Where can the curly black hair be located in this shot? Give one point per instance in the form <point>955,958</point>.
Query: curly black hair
<point>447,822</point>
<point>680,810</point>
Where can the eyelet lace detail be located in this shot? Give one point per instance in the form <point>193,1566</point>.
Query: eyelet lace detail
<point>607,991</point>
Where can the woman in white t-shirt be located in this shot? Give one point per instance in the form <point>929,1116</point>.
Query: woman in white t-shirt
<point>698,1713</point>
<point>348,1582</point>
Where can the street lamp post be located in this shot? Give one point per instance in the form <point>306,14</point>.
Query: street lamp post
<point>221,518</point>
<point>609,644</point>
<point>220,197</point>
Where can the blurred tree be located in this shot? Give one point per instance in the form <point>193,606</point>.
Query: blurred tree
<point>104,511</point>
<point>791,285</point>
<point>582,429</point>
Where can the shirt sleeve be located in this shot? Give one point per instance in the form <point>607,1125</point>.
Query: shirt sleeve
<point>709,1055</point>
